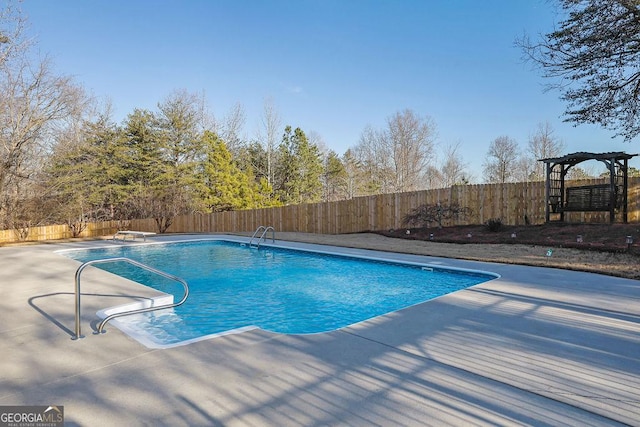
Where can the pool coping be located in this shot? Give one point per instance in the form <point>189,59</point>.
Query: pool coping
<point>538,345</point>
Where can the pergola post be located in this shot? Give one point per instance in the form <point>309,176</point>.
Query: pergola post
<point>625,180</point>
<point>547,193</point>
<point>612,185</point>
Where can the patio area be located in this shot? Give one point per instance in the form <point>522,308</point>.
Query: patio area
<point>538,346</point>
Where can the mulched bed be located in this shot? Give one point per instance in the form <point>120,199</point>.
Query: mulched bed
<point>597,237</point>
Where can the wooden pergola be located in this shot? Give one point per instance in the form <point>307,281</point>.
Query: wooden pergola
<point>610,197</point>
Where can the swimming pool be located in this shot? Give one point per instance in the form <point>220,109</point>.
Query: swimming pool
<point>235,288</point>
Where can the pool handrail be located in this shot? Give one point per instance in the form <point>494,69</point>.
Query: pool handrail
<point>255,233</point>
<point>262,236</point>
<point>128,312</point>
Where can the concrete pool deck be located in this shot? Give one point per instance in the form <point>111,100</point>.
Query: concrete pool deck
<point>537,346</point>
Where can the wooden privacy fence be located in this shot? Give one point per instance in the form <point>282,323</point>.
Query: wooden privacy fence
<point>56,232</point>
<point>513,203</point>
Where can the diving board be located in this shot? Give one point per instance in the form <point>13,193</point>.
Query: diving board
<point>133,234</point>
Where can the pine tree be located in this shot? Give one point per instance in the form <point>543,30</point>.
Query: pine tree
<point>226,186</point>
<point>335,178</point>
<point>299,169</point>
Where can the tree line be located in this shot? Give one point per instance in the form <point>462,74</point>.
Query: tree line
<point>63,159</point>
<point>176,160</point>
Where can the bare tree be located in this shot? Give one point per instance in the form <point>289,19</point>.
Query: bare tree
<point>353,175</point>
<point>316,139</point>
<point>592,59</point>
<point>501,161</point>
<point>232,128</point>
<point>524,169</point>
<point>425,215</point>
<point>35,105</point>
<point>433,177</point>
<point>409,141</point>
<point>12,41</point>
<point>543,144</point>
<point>268,136</point>
<point>373,159</point>
<point>576,173</point>
<point>38,110</point>
<point>453,168</point>
<point>398,156</point>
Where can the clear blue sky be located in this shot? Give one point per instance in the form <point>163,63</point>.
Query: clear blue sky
<point>331,66</point>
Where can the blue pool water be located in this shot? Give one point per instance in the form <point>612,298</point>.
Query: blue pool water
<point>281,290</point>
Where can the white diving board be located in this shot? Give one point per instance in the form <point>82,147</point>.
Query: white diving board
<point>133,234</point>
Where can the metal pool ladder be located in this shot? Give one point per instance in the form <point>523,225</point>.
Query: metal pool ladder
<point>124,313</point>
<point>262,237</point>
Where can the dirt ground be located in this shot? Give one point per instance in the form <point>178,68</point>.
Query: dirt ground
<point>600,248</point>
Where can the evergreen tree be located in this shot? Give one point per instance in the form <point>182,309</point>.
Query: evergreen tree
<point>227,187</point>
<point>110,168</point>
<point>143,148</point>
<point>85,174</point>
<point>299,169</point>
<point>263,195</point>
<point>335,178</point>
<point>173,188</point>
